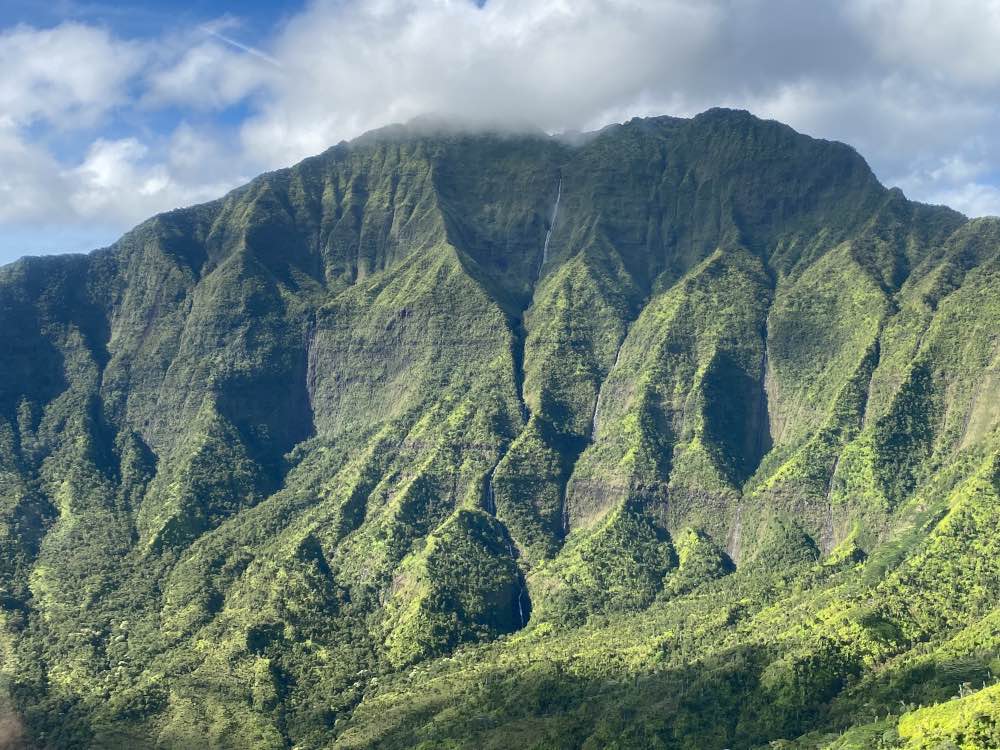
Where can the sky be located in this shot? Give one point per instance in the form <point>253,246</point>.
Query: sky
<point>113,111</point>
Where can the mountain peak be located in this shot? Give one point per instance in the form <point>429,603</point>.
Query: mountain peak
<point>688,404</point>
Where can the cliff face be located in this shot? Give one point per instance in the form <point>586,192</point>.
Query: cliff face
<point>262,456</point>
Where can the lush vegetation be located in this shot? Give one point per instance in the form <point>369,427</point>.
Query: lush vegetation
<point>347,459</point>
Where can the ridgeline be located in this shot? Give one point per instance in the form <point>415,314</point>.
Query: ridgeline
<point>683,434</point>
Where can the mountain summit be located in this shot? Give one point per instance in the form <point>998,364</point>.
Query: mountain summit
<point>683,434</point>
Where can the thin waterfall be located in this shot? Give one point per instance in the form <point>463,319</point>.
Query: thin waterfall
<point>490,506</point>
<point>521,621</point>
<point>871,379</point>
<point>491,497</point>
<point>829,487</point>
<point>600,390</point>
<point>828,527</point>
<point>764,439</point>
<point>565,514</point>
<point>734,542</point>
<point>548,234</point>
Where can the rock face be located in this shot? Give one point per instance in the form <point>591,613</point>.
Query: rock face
<point>696,407</point>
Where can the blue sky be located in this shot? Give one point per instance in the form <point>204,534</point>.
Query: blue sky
<point>112,111</point>
<point>152,18</point>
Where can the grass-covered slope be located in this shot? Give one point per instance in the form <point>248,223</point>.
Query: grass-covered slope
<point>684,434</point>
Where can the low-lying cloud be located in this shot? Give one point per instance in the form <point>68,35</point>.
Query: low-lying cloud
<point>913,85</point>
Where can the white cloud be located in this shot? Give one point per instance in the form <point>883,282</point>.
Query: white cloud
<point>30,186</point>
<point>117,184</point>
<point>955,41</point>
<point>349,67</point>
<point>75,79</point>
<point>954,181</point>
<point>903,127</point>
<point>972,199</point>
<point>208,75</point>
<point>68,75</point>
<point>117,181</point>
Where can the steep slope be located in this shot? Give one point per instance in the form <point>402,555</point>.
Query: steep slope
<point>681,435</point>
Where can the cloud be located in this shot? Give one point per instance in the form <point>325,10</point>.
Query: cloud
<point>67,76</point>
<point>29,179</point>
<point>215,30</point>
<point>352,66</point>
<point>46,206</point>
<point>832,69</point>
<point>958,183</point>
<point>349,67</point>
<point>61,87</point>
<point>156,123</point>
<point>972,199</point>
<point>117,180</point>
<point>205,68</point>
<point>954,41</point>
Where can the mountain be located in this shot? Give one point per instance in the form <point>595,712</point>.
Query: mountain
<point>682,434</point>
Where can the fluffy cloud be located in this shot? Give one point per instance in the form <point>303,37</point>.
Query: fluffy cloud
<point>348,67</point>
<point>60,87</point>
<point>957,182</point>
<point>911,84</point>
<point>29,179</point>
<point>67,76</point>
<point>207,69</point>
<point>116,184</point>
<point>914,85</point>
<point>117,181</point>
<point>954,41</point>
<point>208,75</point>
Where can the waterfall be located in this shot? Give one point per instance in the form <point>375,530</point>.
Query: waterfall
<point>521,621</point>
<point>490,506</point>
<point>829,487</point>
<point>868,399</point>
<point>600,389</point>
<point>828,528</point>
<point>734,542</point>
<point>491,499</point>
<point>548,234</point>
<point>764,439</point>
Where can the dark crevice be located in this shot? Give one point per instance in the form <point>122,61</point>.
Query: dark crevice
<point>519,336</point>
<point>522,599</point>
<point>736,417</point>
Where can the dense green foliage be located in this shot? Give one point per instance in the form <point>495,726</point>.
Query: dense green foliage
<point>684,434</point>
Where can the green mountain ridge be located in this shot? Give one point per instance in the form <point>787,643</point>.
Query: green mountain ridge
<point>681,434</point>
